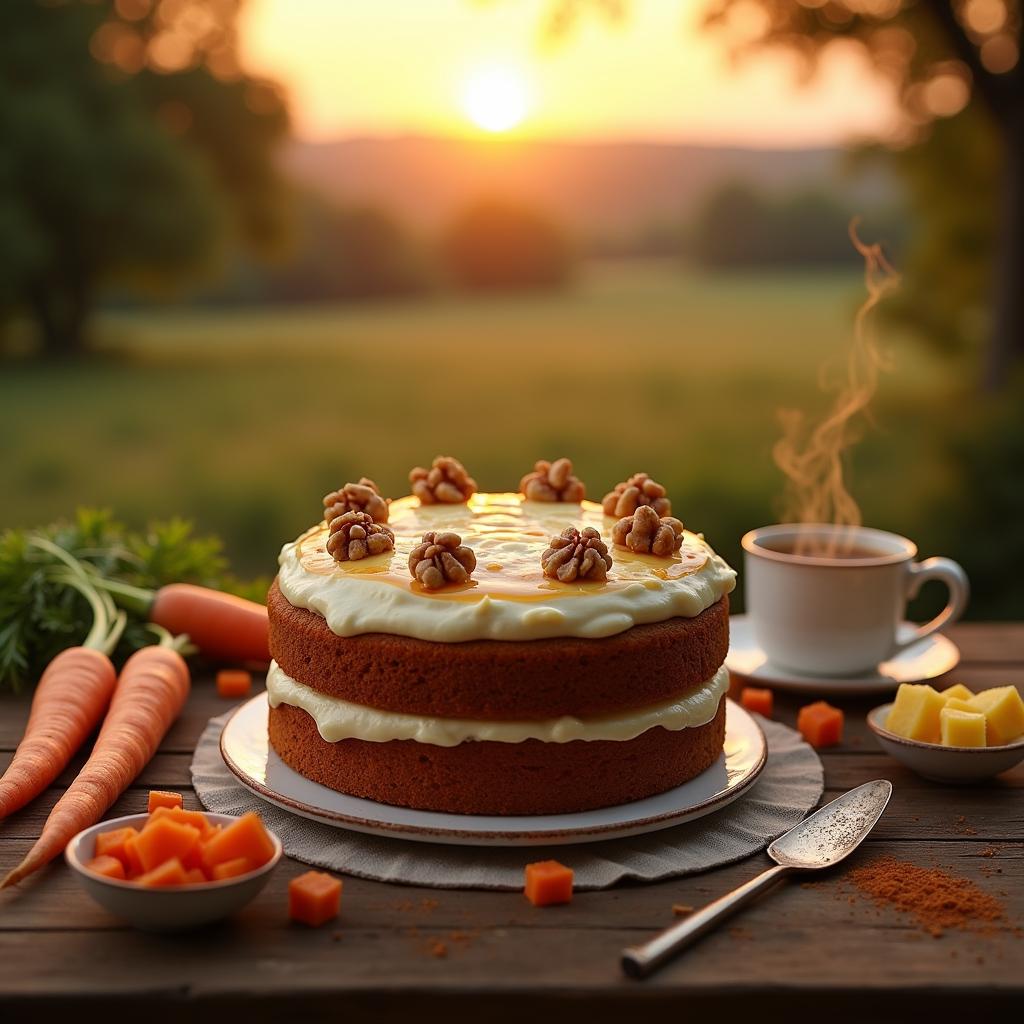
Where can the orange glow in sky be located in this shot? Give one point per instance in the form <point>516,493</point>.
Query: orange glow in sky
<point>465,67</point>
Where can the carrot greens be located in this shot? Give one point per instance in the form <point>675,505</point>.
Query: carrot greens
<point>57,584</point>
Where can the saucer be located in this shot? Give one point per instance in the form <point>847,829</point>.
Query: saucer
<point>922,662</point>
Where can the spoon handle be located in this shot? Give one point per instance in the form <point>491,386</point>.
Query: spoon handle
<point>640,961</point>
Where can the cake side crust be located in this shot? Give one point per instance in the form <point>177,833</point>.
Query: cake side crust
<point>494,679</point>
<point>498,778</point>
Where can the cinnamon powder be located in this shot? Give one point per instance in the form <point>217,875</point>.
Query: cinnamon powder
<point>937,899</point>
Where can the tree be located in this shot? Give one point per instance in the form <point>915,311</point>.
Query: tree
<point>346,253</point>
<point>957,72</point>
<point>133,147</point>
<point>496,244</point>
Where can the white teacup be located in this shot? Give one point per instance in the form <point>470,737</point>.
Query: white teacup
<point>837,614</point>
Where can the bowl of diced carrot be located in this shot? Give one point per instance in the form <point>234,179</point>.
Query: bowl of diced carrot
<point>174,869</point>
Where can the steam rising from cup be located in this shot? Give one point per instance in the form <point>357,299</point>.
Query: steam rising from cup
<point>812,457</point>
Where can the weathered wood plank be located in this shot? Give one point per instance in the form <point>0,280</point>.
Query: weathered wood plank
<point>845,767</point>
<point>1000,642</point>
<point>54,899</point>
<point>918,810</point>
<point>204,704</point>
<point>798,939</point>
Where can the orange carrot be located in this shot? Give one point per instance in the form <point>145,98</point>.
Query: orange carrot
<point>69,702</point>
<point>150,693</point>
<point>220,625</point>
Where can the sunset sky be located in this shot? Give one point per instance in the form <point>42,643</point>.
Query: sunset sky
<point>455,67</point>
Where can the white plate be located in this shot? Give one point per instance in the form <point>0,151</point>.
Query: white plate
<point>932,657</point>
<point>248,754</point>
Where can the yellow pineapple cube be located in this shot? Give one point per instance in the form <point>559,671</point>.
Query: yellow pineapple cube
<point>961,705</point>
<point>957,692</point>
<point>1004,714</point>
<point>915,713</point>
<point>962,728</point>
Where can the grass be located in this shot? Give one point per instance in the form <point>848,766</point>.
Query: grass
<point>241,420</point>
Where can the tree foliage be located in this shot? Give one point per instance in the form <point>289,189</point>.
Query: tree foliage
<point>740,227</point>
<point>956,72</point>
<point>133,147</point>
<point>499,244</point>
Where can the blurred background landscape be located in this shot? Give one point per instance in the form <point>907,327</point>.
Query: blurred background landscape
<point>251,250</point>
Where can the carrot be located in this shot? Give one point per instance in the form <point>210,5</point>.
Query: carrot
<point>68,704</point>
<point>220,625</point>
<point>150,693</point>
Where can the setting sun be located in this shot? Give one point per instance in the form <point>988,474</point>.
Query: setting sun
<point>495,98</point>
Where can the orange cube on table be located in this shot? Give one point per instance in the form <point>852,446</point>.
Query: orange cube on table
<point>548,882</point>
<point>106,865</point>
<point>314,898</point>
<point>162,840</point>
<point>246,837</point>
<point>170,872</point>
<point>754,698</point>
<point>112,844</point>
<point>233,683</point>
<point>820,724</point>
<point>161,798</point>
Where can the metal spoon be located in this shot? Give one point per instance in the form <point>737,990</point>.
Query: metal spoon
<point>825,838</point>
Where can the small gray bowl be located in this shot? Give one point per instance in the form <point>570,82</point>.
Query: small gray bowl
<point>957,765</point>
<point>175,908</point>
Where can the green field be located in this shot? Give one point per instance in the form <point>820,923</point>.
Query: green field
<point>241,420</point>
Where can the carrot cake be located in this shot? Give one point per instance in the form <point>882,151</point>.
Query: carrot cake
<point>511,653</point>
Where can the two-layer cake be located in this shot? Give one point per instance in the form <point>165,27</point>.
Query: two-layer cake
<point>528,678</point>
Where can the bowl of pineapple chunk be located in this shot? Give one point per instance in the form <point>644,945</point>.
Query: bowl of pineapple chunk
<point>954,735</point>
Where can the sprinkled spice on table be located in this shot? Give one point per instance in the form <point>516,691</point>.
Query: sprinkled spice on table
<point>938,899</point>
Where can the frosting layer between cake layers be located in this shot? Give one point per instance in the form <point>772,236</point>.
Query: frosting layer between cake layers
<point>508,598</point>
<point>338,719</point>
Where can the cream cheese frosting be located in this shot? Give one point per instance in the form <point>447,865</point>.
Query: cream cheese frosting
<point>338,719</point>
<point>508,597</point>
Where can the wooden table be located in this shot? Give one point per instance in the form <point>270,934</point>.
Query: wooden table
<point>409,954</point>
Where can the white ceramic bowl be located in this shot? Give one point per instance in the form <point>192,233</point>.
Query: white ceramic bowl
<point>175,908</point>
<point>944,764</point>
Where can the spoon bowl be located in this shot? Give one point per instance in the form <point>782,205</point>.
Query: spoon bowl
<point>833,832</point>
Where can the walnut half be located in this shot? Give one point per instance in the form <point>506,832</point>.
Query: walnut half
<point>441,559</point>
<point>638,490</point>
<point>646,533</point>
<point>355,535</point>
<point>552,481</point>
<point>445,483</point>
<point>577,555</point>
<point>361,497</point>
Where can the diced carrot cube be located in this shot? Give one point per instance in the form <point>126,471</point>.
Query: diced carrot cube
<point>314,898</point>
<point>195,876</point>
<point>111,844</point>
<point>548,882</point>
<point>246,837</point>
<point>194,818</point>
<point>111,867</point>
<point>164,839</point>
<point>754,698</point>
<point>233,683</point>
<point>232,868</point>
<point>132,860</point>
<point>820,724</point>
<point>170,872</point>
<point>161,798</point>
